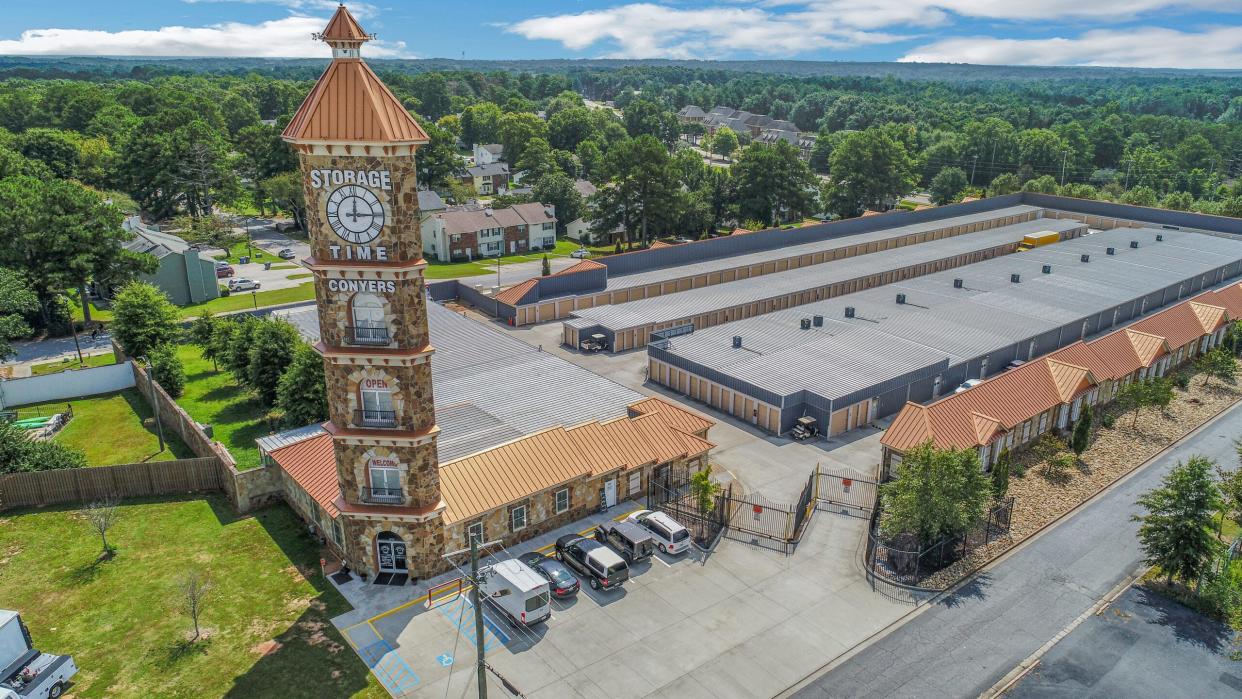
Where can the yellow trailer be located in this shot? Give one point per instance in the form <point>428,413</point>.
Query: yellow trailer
<point>1034,240</point>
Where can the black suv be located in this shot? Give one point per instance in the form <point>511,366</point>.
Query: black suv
<point>602,567</point>
<point>628,539</point>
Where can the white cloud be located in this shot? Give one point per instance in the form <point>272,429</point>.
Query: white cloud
<point>279,38</point>
<point>793,27</point>
<point>1144,47</point>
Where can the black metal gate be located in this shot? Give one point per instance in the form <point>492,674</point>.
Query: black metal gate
<point>843,491</point>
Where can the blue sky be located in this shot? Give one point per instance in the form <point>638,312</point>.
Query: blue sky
<point>1149,33</point>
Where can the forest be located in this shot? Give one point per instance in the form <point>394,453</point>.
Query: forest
<point>189,141</point>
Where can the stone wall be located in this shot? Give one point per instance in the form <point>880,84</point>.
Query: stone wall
<point>424,543</point>
<point>410,387</point>
<point>420,477</point>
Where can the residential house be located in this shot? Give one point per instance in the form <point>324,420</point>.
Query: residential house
<point>184,274</point>
<point>430,205</point>
<point>487,179</point>
<point>580,228</point>
<point>691,114</point>
<point>471,232</point>
<point>488,153</point>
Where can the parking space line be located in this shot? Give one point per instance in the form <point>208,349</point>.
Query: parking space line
<point>389,668</point>
<point>455,614</point>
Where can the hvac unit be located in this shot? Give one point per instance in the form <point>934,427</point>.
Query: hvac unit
<point>1015,278</point>
<point>901,298</point>
<point>817,321</point>
<point>1085,258</point>
<point>849,311</point>
<point>1110,251</point>
<point>1134,243</point>
<point>1047,269</point>
<point>1159,237</point>
<point>805,323</point>
<point>957,283</point>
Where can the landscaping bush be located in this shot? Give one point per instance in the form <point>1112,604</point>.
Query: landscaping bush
<point>144,319</point>
<point>1000,474</point>
<point>1107,421</point>
<point>1057,467</point>
<point>1183,380</point>
<point>937,493</point>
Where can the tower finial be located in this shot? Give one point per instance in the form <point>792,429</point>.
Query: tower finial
<point>344,34</point>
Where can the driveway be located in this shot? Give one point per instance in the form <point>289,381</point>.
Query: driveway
<point>1143,645</point>
<point>966,642</point>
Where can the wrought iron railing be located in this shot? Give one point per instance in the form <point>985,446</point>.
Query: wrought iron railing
<point>383,495</point>
<point>367,335</point>
<point>375,418</point>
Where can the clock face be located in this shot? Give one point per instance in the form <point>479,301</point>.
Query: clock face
<point>355,213</point>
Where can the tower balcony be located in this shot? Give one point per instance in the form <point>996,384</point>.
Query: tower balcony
<point>383,496</point>
<point>368,336</point>
<point>375,418</point>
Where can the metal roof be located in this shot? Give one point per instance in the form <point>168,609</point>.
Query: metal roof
<point>685,304</point>
<point>272,442</point>
<point>988,314</point>
<point>680,270</point>
<point>490,388</point>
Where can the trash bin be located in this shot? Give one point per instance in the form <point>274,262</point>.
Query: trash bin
<point>267,266</point>
<point>243,260</point>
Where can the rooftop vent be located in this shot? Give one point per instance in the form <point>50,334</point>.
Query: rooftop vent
<point>901,298</point>
<point>849,311</point>
<point>1085,258</point>
<point>957,283</point>
<point>1111,251</point>
<point>1015,278</point>
<point>1047,269</point>
<point>805,323</point>
<point>737,341</point>
<point>1159,237</point>
<point>1134,243</point>
<point>817,321</point>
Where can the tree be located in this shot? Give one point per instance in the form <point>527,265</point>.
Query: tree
<point>947,185</point>
<point>570,127</point>
<point>144,319</point>
<point>19,453</point>
<point>724,142</point>
<point>17,302</point>
<point>771,183</point>
<point>302,393</point>
<point>1132,398</point>
<point>287,194</point>
<point>437,162</point>
<point>937,493</point>
<point>547,266</point>
<point>704,490</point>
<point>646,118</point>
<point>54,148</point>
<point>219,347</point>
<point>195,591</point>
<point>1217,363</point>
<point>167,370</point>
<point>640,191</point>
<point>60,235</point>
<point>1175,533</point>
<point>480,123</point>
<point>272,347</point>
<point>1004,183</point>
<point>240,339</point>
<point>557,189</point>
<point>101,515</point>
<point>1081,436</point>
<point>869,170</point>
<point>202,332</point>
<point>536,160</point>
<point>516,130</point>
<point>1000,474</point>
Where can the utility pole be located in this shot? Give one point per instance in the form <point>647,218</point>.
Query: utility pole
<point>973,162</point>
<point>1129,164</point>
<point>1064,158</point>
<point>478,614</point>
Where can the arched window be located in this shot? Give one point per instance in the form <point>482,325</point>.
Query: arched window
<point>385,479</point>
<point>375,403</point>
<point>369,326</point>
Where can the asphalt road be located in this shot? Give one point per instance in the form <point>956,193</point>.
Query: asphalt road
<point>1141,646</point>
<point>965,643</point>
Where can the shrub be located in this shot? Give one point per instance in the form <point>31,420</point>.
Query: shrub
<point>1107,421</point>
<point>302,395</point>
<point>144,319</point>
<point>271,350</point>
<point>1000,474</point>
<point>1183,380</point>
<point>1057,467</point>
<point>937,493</point>
<point>704,489</point>
<point>18,453</point>
<point>1081,437</point>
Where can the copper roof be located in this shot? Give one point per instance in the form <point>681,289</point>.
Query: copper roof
<point>311,463</point>
<point>515,293</point>
<point>658,244</point>
<point>350,103</point>
<point>1185,322</point>
<point>675,415</point>
<point>1126,351</point>
<point>343,27</point>
<point>1230,297</point>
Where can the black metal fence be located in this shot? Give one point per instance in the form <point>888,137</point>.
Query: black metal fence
<point>904,560</point>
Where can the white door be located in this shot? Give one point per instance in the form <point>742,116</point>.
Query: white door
<point>610,492</point>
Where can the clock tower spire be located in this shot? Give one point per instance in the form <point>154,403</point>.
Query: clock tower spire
<point>356,145</point>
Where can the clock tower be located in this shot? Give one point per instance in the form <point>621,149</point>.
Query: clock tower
<point>356,144</point>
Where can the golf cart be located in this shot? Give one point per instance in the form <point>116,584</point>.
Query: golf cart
<point>805,428</point>
<point>595,343</point>
<point>25,672</point>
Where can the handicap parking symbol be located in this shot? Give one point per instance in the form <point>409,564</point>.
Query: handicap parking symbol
<point>444,660</point>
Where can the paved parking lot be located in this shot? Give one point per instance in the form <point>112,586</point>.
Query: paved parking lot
<point>742,621</point>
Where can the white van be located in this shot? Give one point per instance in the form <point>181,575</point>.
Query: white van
<point>517,590</point>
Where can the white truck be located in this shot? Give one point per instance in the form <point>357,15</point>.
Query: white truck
<point>26,673</point>
<point>517,590</point>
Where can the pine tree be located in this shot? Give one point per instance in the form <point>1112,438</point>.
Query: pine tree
<point>167,370</point>
<point>271,351</point>
<point>547,266</point>
<point>1000,474</point>
<point>1081,436</point>
<point>302,394</point>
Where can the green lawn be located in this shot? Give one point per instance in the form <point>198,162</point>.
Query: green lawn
<point>257,254</point>
<point>109,430</point>
<point>121,618</point>
<point>246,299</point>
<point>213,397</point>
<point>66,364</point>
<point>300,275</point>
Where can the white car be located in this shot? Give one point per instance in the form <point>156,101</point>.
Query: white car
<point>580,254</point>
<point>670,537</point>
<point>967,385</point>
<point>242,284</point>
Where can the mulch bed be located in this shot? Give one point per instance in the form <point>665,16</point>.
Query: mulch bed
<point>1113,453</point>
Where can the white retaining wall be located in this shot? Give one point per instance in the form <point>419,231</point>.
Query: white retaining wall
<point>66,384</point>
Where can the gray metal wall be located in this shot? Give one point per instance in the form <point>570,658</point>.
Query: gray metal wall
<point>442,290</point>
<point>483,302</point>
<point>1160,217</point>
<point>576,283</point>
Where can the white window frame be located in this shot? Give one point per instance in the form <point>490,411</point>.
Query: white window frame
<point>338,534</point>
<point>1043,422</point>
<point>556,501</point>
<point>383,396</point>
<point>635,483</point>
<point>470,528</point>
<point>513,518</point>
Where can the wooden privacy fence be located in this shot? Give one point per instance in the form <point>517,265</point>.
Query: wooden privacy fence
<point>122,481</point>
